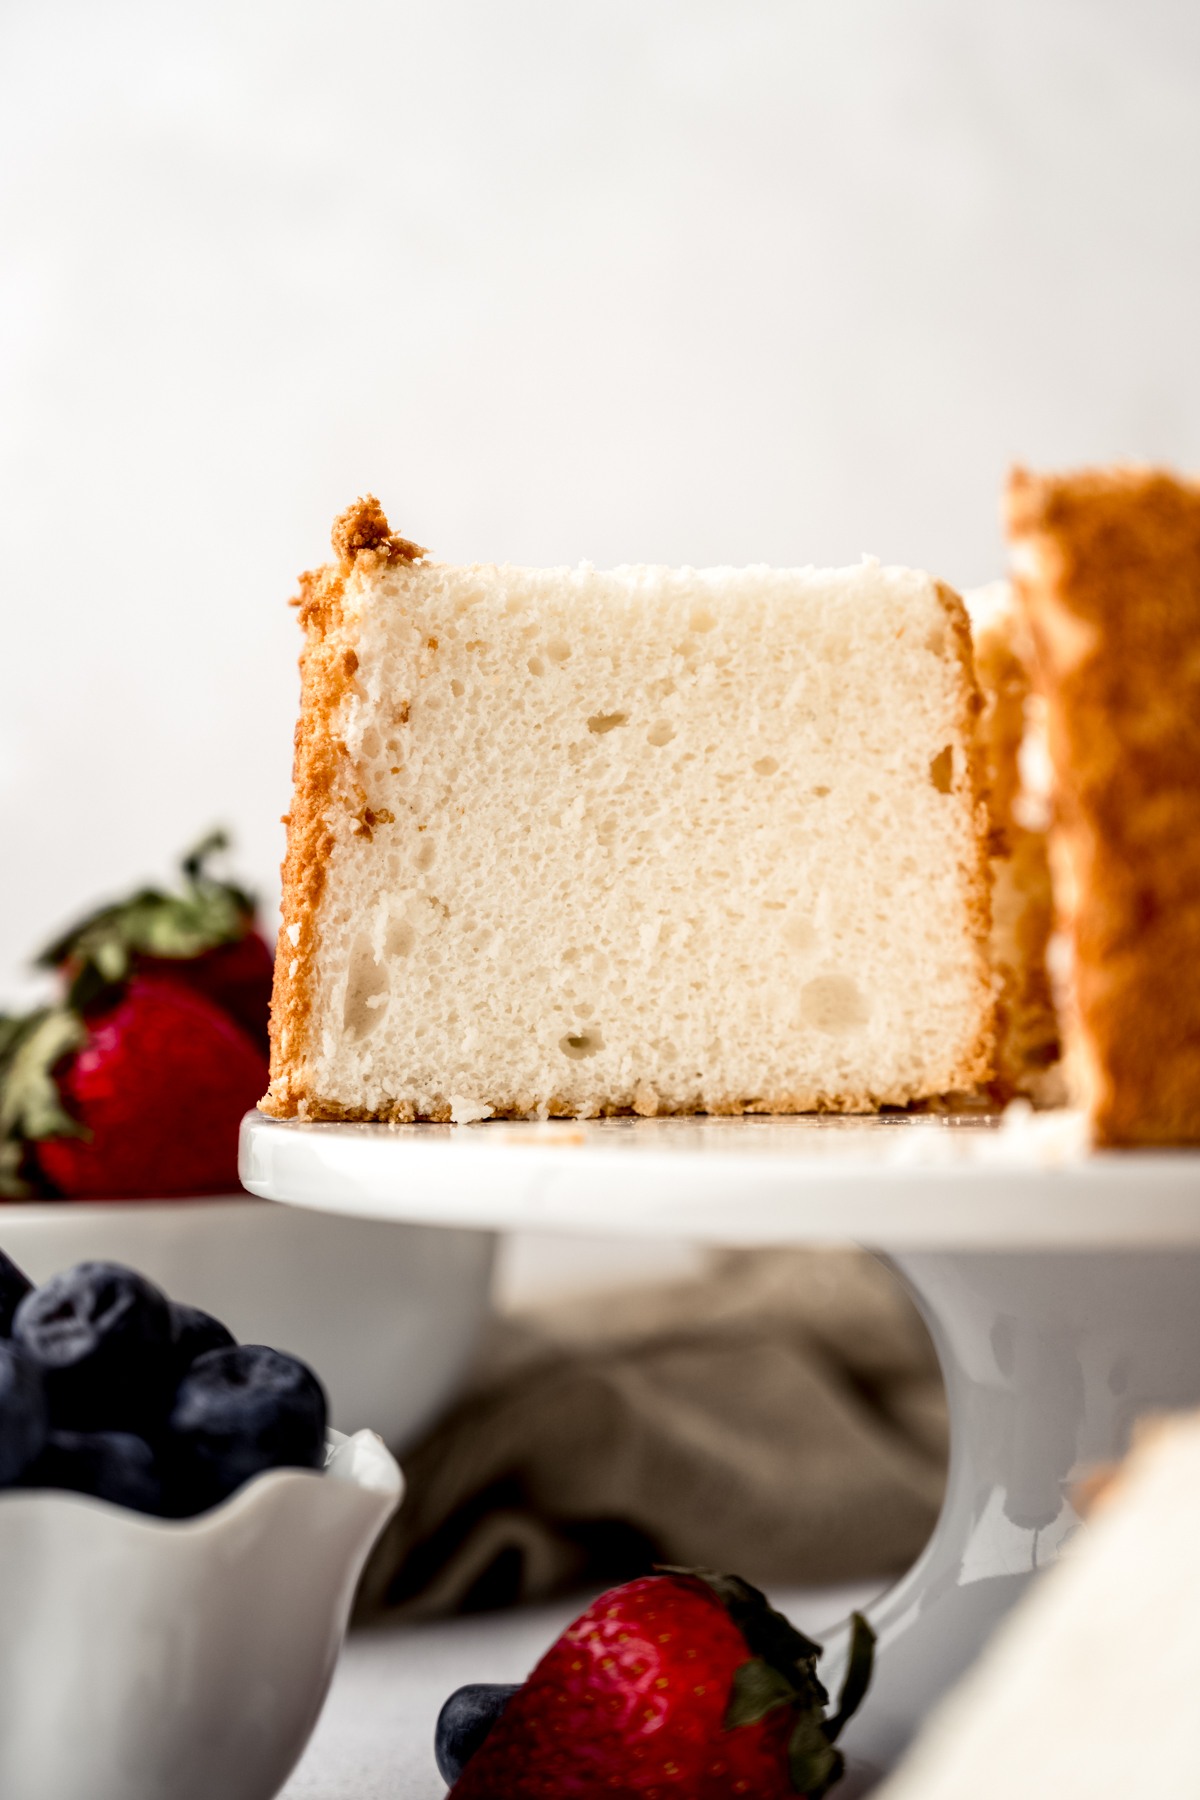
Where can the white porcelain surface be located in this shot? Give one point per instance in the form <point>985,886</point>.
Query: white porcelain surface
<point>895,1181</point>
<point>1061,1289</point>
<point>150,1659</point>
<point>388,1317</point>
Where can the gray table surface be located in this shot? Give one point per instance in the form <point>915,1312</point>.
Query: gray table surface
<point>374,1740</point>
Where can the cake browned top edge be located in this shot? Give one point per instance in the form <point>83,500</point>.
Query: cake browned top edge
<point>362,534</point>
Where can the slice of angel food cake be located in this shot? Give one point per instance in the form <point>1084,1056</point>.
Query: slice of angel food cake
<point>572,842</point>
<point>1107,566</point>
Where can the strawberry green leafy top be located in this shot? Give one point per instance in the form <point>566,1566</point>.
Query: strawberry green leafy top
<point>782,1672</point>
<point>99,952</point>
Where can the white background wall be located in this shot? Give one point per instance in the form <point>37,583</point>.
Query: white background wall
<point>681,280</point>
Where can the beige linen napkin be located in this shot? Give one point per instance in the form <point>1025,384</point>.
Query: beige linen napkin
<point>781,1416</point>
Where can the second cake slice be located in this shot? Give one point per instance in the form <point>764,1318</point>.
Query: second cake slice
<point>575,842</point>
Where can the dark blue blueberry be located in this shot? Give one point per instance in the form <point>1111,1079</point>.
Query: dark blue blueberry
<point>24,1415</point>
<point>196,1332</point>
<point>101,1335</point>
<point>14,1285</point>
<point>464,1722</point>
<point>237,1412</point>
<point>112,1465</point>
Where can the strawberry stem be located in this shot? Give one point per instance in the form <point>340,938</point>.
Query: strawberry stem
<point>857,1677</point>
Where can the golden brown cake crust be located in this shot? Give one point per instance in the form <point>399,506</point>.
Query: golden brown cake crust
<point>1110,580</point>
<point>325,782</point>
<point>362,535</point>
<point>977,1067</point>
<point>1027,1043</point>
<point>322,780</point>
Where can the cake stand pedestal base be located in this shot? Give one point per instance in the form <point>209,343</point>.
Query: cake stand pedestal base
<point>1049,1359</point>
<point>1062,1290</point>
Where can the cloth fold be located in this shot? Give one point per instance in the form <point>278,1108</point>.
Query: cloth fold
<point>782,1416</point>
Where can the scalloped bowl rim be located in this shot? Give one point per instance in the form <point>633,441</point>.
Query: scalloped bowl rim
<point>361,1460</point>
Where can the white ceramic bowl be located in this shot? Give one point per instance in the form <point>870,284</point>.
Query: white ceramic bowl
<point>386,1314</point>
<point>155,1659</point>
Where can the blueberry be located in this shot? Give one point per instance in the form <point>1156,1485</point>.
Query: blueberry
<point>464,1722</point>
<point>101,1335</point>
<point>112,1465</point>
<point>24,1415</point>
<point>194,1333</point>
<point>14,1285</point>
<point>237,1412</point>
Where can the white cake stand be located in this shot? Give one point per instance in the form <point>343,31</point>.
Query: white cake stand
<point>1062,1291</point>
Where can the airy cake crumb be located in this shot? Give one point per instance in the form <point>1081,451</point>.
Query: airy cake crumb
<point>573,842</point>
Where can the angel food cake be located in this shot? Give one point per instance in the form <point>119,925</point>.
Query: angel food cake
<point>1108,572</point>
<point>567,842</point>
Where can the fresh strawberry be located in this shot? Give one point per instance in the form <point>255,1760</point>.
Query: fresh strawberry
<point>156,1092</point>
<point>236,977</point>
<point>135,1083</point>
<point>684,1683</point>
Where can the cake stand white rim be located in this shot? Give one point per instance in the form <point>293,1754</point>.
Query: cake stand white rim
<point>944,1183</point>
